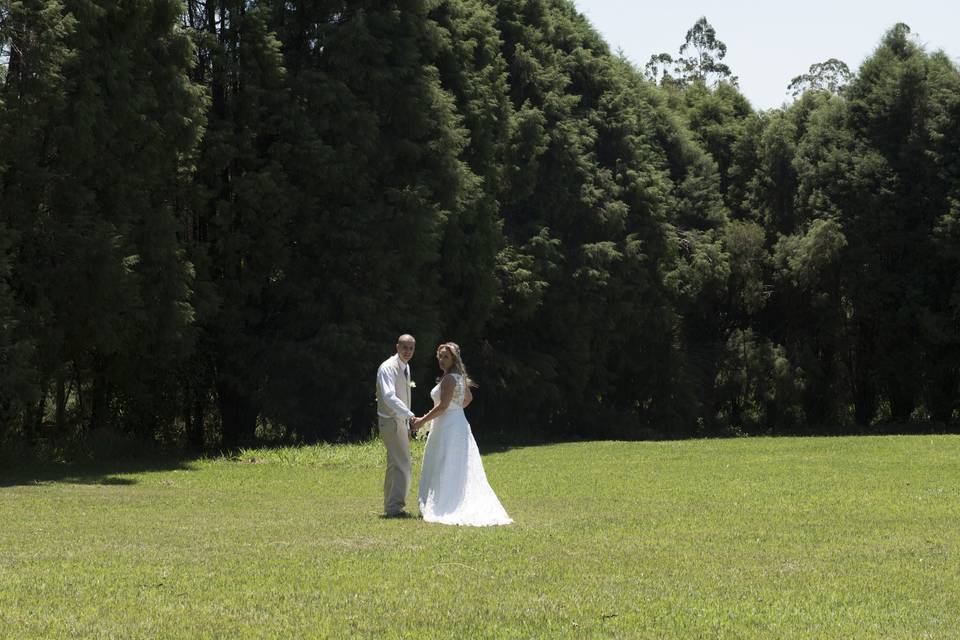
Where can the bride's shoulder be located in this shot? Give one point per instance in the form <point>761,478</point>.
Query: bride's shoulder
<point>450,378</point>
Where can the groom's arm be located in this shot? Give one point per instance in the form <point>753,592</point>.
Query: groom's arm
<point>386,380</point>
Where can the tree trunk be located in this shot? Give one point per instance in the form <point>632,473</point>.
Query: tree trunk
<point>864,392</point>
<point>820,396</point>
<point>15,60</point>
<point>61,402</point>
<point>99,398</point>
<point>237,415</point>
<point>34,422</point>
<point>195,417</point>
<point>901,402</point>
<point>943,395</point>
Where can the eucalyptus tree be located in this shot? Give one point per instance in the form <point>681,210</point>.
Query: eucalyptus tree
<point>699,60</point>
<point>830,75</point>
<point>704,56</point>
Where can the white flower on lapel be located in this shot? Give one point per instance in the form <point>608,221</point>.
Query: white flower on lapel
<point>412,384</point>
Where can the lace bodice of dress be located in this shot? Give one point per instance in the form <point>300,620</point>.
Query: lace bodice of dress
<point>458,392</point>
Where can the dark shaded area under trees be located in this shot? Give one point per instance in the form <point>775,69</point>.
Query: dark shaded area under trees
<point>216,218</point>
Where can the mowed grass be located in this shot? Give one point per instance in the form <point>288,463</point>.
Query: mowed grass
<point>745,538</point>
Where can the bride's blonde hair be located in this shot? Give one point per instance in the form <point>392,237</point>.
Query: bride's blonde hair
<point>458,367</point>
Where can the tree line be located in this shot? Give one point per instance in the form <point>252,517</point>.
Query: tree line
<point>216,217</point>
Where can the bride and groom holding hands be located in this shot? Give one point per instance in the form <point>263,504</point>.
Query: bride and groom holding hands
<point>453,485</point>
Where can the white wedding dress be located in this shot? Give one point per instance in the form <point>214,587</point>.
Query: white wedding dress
<point>453,485</point>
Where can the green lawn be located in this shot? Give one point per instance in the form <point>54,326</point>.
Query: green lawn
<point>745,538</point>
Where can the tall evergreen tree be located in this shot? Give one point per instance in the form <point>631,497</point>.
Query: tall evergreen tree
<point>15,378</point>
<point>34,45</point>
<point>585,217</point>
<point>97,126</point>
<point>381,179</point>
<point>243,219</point>
<point>898,107</point>
<point>466,51</point>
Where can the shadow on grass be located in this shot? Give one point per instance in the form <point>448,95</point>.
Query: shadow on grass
<point>23,473</point>
<point>500,442</point>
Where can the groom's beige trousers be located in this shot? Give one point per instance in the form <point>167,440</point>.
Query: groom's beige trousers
<point>396,482</point>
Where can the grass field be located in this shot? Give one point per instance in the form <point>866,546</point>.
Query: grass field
<point>743,538</point>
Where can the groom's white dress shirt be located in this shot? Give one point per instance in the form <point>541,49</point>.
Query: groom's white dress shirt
<point>391,401</point>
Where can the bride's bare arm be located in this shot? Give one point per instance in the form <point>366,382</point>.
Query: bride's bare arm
<point>447,386</point>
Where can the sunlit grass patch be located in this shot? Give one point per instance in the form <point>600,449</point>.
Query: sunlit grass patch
<point>747,538</point>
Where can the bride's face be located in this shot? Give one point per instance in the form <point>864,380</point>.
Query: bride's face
<point>444,359</point>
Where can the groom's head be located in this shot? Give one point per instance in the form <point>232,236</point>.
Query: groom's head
<point>405,346</point>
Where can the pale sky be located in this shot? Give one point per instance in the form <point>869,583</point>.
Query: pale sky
<point>771,42</point>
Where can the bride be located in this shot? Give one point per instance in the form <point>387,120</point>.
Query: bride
<point>453,485</point>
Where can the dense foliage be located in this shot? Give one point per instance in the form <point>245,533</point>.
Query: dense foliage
<point>215,220</point>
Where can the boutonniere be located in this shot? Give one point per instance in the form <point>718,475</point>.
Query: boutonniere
<point>413,385</point>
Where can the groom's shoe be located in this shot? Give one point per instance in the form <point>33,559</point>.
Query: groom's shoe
<point>398,514</point>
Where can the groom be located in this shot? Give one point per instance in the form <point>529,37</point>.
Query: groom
<point>393,415</point>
